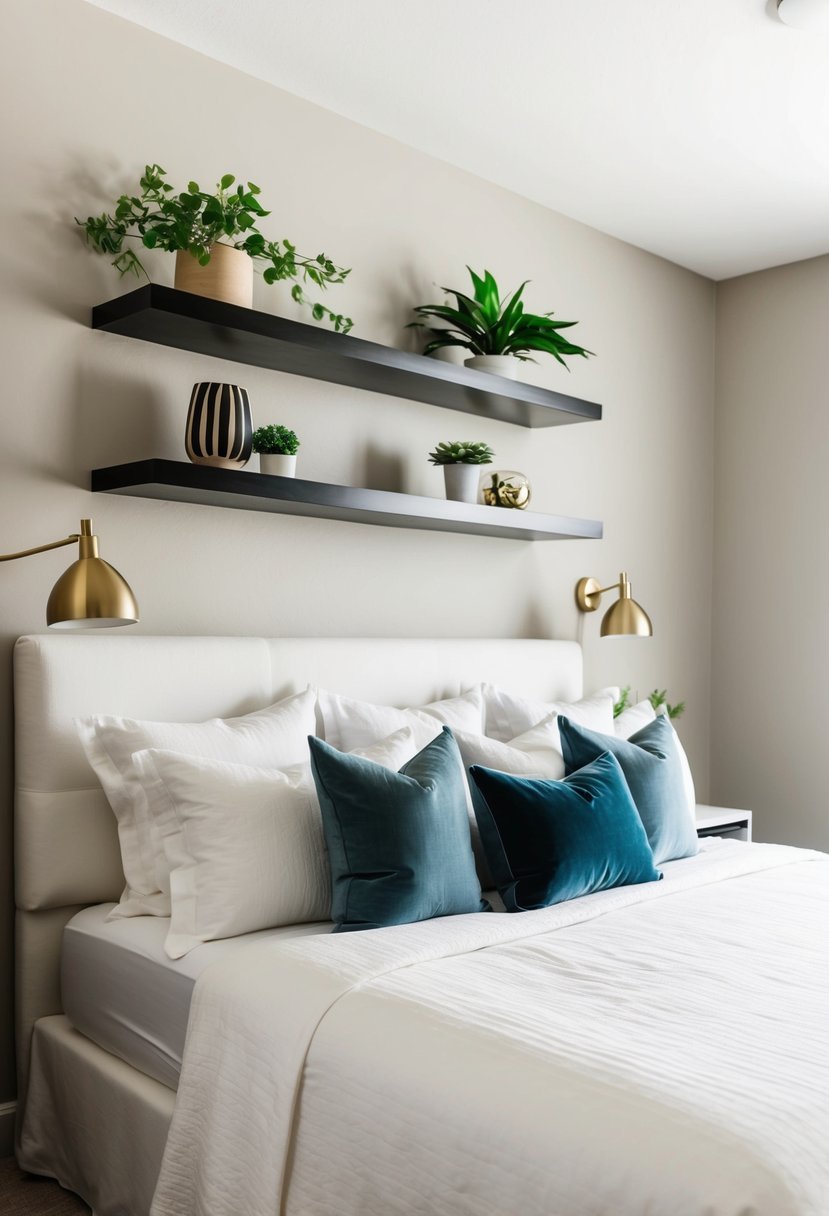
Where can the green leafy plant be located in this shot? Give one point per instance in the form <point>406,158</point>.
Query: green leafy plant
<point>193,220</point>
<point>275,440</point>
<point>462,453</point>
<point>486,325</point>
<point>658,698</point>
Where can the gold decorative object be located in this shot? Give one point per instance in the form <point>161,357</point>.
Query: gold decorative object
<point>91,594</point>
<point>625,617</point>
<point>505,488</point>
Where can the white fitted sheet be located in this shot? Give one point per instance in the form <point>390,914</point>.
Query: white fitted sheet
<point>122,992</point>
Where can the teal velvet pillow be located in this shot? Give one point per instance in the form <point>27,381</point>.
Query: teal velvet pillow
<point>651,764</point>
<point>398,843</point>
<point>547,841</point>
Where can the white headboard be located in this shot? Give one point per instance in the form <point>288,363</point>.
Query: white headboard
<point>66,847</point>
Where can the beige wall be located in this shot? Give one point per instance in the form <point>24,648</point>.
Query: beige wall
<point>770,662</point>
<point>91,99</point>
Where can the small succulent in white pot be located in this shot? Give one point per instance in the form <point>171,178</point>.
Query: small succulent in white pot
<point>461,468</point>
<point>277,447</point>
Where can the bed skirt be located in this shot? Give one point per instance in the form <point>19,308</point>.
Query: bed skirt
<point>92,1122</point>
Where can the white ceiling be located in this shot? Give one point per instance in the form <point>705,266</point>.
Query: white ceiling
<point>697,129</point>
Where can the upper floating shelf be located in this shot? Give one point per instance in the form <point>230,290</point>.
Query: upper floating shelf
<point>209,327</point>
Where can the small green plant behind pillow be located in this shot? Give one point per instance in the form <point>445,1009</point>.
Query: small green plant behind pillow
<point>195,221</point>
<point>658,698</point>
<point>462,453</point>
<point>275,441</point>
<point>485,325</point>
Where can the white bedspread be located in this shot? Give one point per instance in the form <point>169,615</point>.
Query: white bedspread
<point>649,1051</point>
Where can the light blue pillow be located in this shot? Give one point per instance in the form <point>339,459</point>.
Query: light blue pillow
<point>398,843</point>
<point>547,841</point>
<point>651,764</point>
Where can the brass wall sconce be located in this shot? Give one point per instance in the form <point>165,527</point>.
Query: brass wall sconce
<point>622,618</point>
<point>91,594</point>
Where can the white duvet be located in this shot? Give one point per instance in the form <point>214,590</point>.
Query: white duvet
<point>649,1051</point>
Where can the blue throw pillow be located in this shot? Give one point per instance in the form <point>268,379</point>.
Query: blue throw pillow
<point>651,764</point>
<point>398,843</point>
<point>547,841</point>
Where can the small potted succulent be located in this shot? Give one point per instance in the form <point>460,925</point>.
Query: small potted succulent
<point>215,239</point>
<point>461,468</point>
<point>499,334</point>
<point>277,447</point>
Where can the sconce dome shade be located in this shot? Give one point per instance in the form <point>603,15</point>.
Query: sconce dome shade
<point>91,594</point>
<point>812,15</point>
<point>626,617</point>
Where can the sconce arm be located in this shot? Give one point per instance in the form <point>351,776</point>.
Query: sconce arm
<point>55,544</point>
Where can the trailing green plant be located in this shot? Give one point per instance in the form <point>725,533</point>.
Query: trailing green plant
<point>194,221</point>
<point>658,699</point>
<point>275,440</point>
<point>462,453</point>
<point>486,325</point>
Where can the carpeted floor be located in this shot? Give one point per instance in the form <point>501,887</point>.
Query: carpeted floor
<point>25,1195</point>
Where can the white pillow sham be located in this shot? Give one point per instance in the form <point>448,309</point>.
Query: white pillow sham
<point>533,754</point>
<point>508,716</point>
<point>633,718</point>
<point>244,844</point>
<point>274,737</point>
<point>349,724</point>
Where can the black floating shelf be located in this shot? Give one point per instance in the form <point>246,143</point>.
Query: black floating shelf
<point>209,327</point>
<point>182,482</point>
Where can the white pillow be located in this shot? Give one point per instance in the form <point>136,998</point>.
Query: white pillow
<point>349,724</point>
<point>633,718</point>
<point>275,736</point>
<point>636,716</point>
<point>533,754</point>
<point>508,716</point>
<point>245,845</point>
<point>536,753</point>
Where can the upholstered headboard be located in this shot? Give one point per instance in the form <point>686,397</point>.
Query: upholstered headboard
<point>66,847</point>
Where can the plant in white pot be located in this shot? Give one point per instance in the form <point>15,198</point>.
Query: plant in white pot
<point>277,447</point>
<point>500,334</point>
<point>215,239</point>
<point>461,468</point>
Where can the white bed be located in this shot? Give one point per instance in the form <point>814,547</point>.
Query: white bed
<point>119,988</point>
<point>644,1051</point>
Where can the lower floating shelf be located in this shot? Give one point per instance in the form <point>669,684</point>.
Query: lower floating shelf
<point>183,482</point>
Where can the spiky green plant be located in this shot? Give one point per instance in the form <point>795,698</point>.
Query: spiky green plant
<point>658,698</point>
<point>275,440</point>
<point>195,221</point>
<point>486,325</point>
<point>462,453</point>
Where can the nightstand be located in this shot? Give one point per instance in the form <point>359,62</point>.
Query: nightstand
<point>722,821</point>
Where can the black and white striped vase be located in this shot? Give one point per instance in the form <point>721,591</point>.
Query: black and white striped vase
<point>219,428</point>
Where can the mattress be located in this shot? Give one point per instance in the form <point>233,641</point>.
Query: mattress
<point>122,991</point>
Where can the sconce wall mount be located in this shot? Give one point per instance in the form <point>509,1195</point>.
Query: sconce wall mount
<point>624,618</point>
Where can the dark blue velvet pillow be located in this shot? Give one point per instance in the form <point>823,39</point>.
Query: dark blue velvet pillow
<point>547,841</point>
<point>398,843</point>
<point>653,770</point>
